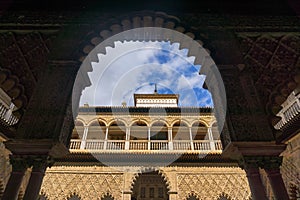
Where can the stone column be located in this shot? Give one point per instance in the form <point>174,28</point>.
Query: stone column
<point>170,139</point>
<point>84,136</point>
<point>39,166</point>
<point>106,138</point>
<point>251,166</point>
<point>191,138</point>
<point>19,166</point>
<point>211,139</point>
<point>272,168</point>
<point>127,137</point>
<point>149,138</point>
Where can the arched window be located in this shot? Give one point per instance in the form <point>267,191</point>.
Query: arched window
<point>215,131</point>
<point>199,131</point>
<point>78,130</point>
<point>96,131</point>
<point>117,131</point>
<point>107,196</point>
<point>224,196</point>
<point>192,197</point>
<point>159,131</point>
<point>180,131</point>
<point>139,131</point>
<point>74,197</point>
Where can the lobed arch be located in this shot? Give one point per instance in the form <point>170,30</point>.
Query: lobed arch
<point>200,121</point>
<point>149,27</point>
<point>192,196</point>
<point>180,121</point>
<point>211,123</point>
<point>223,196</point>
<point>11,85</point>
<point>155,121</point>
<point>73,196</point>
<point>78,129</point>
<point>97,120</point>
<point>131,21</point>
<point>116,121</point>
<point>80,120</point>
<point>139,120</point>
<point>107,196</point>
<point>155,170</point>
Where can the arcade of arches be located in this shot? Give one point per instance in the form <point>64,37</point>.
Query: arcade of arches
<point>41,51</point>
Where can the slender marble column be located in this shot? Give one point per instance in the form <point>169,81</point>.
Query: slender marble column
<point>84,136</point>
<point>191,138</point>
<point>106,138</point>
<point>211,139</point>
<point>40,165</point>
<point>170,139</point>
<point>251,166</point>
<point>272,168</point>
<point>149,138</point>
<point>19,166</point>
<point>127,137</point>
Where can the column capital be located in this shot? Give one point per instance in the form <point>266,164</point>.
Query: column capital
<point>38,162</point>
<point>19,163</point>
<point>271,162</point>
<point>247,162</point>
<point>41,162</point>
<point>265,162</point>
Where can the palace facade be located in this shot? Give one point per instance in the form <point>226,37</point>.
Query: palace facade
<point>154,150</point>
<point>46,49</point>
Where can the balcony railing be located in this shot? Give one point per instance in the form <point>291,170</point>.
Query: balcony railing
<point>145,145</point>
<point>138,145</point>
<point>291,109</point>
<point>6,115</point>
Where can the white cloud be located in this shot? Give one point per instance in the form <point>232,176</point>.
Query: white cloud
<point>130,67</point>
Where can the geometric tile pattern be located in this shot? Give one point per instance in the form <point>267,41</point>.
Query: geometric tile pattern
<point>86,185</point>
<point>212,185</point>
<point>93,183</point>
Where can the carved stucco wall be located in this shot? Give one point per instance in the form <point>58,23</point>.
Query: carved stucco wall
<point>92,182</point>
<point>209,183</point>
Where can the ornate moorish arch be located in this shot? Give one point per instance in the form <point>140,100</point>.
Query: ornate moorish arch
<point>158,174</point>
<point>166,28</point>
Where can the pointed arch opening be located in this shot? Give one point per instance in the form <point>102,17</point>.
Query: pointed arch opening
<point>150,185</point>
<point>159,131</point>
<point>181,136</point>
<point>149,33</point>
<point>139,135</point>
<point>199,131</point>
<point>96,131</point>
<point>116,136</point>
<point>107,196</point>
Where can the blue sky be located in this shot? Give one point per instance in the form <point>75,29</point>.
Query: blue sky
<point>134,67</point>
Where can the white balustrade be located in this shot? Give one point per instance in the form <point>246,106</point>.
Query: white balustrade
<point>6,116</point>
<point>75,144</point>
<point>182,145</point>
<point>291,108</point>
<point>94,144</point>
<point>115,145</point>
<point>138,145</point>
<point>178,145</point>
<point>218,145</point>
<point>159,145</point>
<point>203,145</point>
